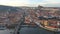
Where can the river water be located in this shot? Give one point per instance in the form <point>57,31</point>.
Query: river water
<point>6,31</point>
<point>27,30</point>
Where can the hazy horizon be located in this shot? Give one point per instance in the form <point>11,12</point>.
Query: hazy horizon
<point>31,3</point>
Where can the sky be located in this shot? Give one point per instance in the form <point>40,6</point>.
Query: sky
<point>47,3</point>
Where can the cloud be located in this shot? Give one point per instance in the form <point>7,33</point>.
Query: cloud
<point>45,2</point>
<point>14,2</point>
<point>29,2</point>
<point>51,1</point>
